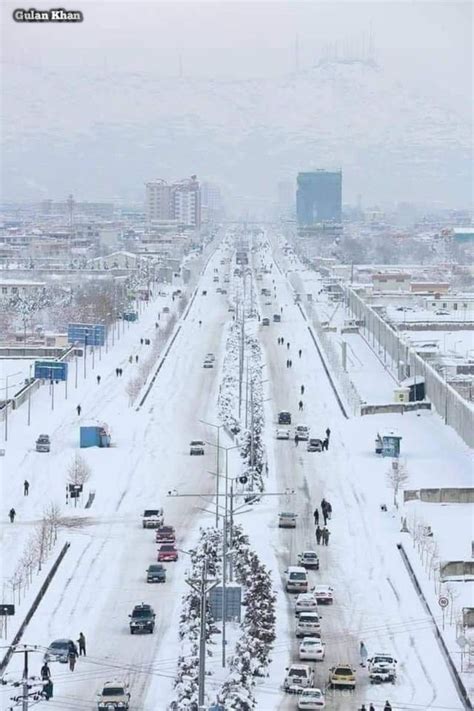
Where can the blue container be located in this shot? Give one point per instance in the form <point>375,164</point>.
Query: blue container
<point>90,436</point>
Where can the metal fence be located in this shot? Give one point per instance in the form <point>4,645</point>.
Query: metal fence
<point>391,346</point>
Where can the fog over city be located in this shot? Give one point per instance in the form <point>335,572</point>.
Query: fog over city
<point>236,356</point>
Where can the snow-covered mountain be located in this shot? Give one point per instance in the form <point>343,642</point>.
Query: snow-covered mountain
<point>104,134</point>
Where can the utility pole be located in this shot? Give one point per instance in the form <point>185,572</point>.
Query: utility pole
<point>25,682</point>
<point>202,588</point>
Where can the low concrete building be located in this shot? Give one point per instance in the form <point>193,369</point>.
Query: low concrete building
<point>10,287</point>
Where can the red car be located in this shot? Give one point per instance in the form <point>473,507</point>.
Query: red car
<point>167,552</point>
<point>165,534</point>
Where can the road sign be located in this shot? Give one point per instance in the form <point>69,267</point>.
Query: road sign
<point>443,601</point>
<point>50,370</point>
<point>92,333</point>
<point>7,610</point>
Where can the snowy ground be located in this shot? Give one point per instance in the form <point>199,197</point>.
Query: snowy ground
<point>102,576</point>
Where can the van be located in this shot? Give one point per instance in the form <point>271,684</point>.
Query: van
<point>296,579</point>
<point>276,318</point>
<point>308,624</point>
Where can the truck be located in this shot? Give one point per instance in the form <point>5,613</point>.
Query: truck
<point>95,436</point>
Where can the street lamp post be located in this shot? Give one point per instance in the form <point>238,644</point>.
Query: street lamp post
<point>218,428</point>
<point>29,398</point>
<point>86,333</point>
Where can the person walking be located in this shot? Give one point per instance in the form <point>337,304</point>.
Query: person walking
<point>388,706</point>
<point>72,655</point>
<point>136,359</point>
<point>26,487</point>
<point>300,405</point>
<point>82,644</point>
<point>288,345</point>
<point>371,707</point>
<point>325,535</point>
<point>363,708</point>
<point>328,510</point>
<point>287,363</point>
<point>200,324</point>
<point>300,352</point>
<point>98,380</point>
<point>318,535</point>
<point>156,324</point>
<point>302,389</point>
<point>325,513</point>
<point>141,341</point>
<point>79,409</point>
<point>130,359</point>
<point>290,363</point>
<point>116,372</point>
<point>296,440</point>
<point>328,433</point>
<point>325,444</point>
<point>363,654</point>
<point>120,372</point>
<point>45,672</point>
<point>316,517</point>
<point>12,514</point>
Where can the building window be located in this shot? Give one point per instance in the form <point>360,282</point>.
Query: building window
<point>445,305</point>
<point>4,290</point>
<point>455,306</point>
<point>14,290</point>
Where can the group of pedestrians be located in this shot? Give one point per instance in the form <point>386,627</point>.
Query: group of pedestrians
<point>289,363</point>
<point>387,707</point>
<point>146,341</point>
<point>322,535</point>
<point>322,532</point>
<point>118,372</point>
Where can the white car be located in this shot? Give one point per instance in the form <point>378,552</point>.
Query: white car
<point>114,695</point>
<point>298,676</point>
<point>305,602</point>
<point>311,699</point>
<point>302,432</point>
<point>323,594</point>
<point>211,357</point>
<point>382,667</point>
<point>309,559</point>
<point>282,433</point>
<point>311,649</point>
<point>308,624</point>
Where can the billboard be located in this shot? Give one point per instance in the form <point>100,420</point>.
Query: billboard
<point>92,333</point>
<point>50,370</point>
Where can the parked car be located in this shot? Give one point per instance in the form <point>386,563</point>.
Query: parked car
<point>442,312</point>
<point>265,321</point>
<point>282,433</point>
<point>309,559</point>
<point>315,445</point>
<point>196,447</point>
<point>286,519</point>
<point>231,309</point>
<point>142,619</point>
<point>156,573</point>
<point>311,649</point>
<point>284,418</point>
<point>43,443</point>
<point>153,518</point>
<point>302,432</point>
<point>208,364</point>
<point>308,624</point>
<point>342,675</point>
<point>166,309</point>
<point>323,594</point>
<point>215,279</point>
<point>306,602</point>
<point>165,534</point>
<point>311,699</point>
<point>114,695</point>
<point>298,676</point>
<point>296,579</point>
<point>382,667</point>
<point>58,651</point>
<point>167,552</point>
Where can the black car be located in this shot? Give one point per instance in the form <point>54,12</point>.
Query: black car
<point>142,619</point>
<point>284,418</point>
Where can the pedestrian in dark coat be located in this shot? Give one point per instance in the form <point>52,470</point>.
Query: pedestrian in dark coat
<point>302,389</point>
<point>72,656</point>
<point>328,509</point>
<point>82,644</point>
<point>79,408</point>
<point>116,372</point>
<point>325,536</point>
<point>45,672</point>
<point>98,380</point>
<point>141,341</point>
<point>325,445</point>
<point>324,503</point>
<point>12,514</point>
<point>316,517</point>
<point>319,532</point>
<point>300,405</point>
<point>136,359</point>
<point>288,345</point>
<point>290,363</point>
<point>325,515</point>
<point>296,440</point>
<point>371,707</point>
<point>300,352</point>
<point>121,372</point>
<point>26,487</point>
<point>328,433</point>
<point>388,706</point>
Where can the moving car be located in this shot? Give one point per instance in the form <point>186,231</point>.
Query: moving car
<point>167,552</point>
<point>276,318</point>
<point>342,675</point>
<point>296,579</point>
<point>156,573</point>
<point>284,418</point>
<point>311,649</point>
<point>208,363</point>
<point>142,619</point>
<point>315,445</point>
<point>165,534</point>
<point>153,518</point>
<point>231,309</point>
<point>309,559</point>
<point>323,594</point>
<point>265,322</point>
<point>282,434</point>
<point>211,357</point>
<point>43,443</point>
<point>196,446</point>
<point>311,699</point>
<point>306,602</point>
<point>382,667</point>
<point>286,519</point>
<point>215,279</point>
<point>298,676</point>
<point>166,309</point>
<point>302,432</point>
<point>114,695</point>
<point>308,624</point>
<point>58,651</point>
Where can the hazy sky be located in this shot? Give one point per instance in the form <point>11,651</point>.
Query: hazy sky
<point>431,39</point>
